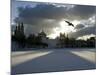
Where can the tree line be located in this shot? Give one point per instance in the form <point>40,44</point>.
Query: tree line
<point>73,43</point>
<point>36,41</point>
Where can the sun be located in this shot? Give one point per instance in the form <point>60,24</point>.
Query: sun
<point>63,28</point>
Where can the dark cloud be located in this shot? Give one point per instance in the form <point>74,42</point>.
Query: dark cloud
<point>48,16</point>
<point>83,31</point>
<point>43,16</point>
<point>30,29</point>
<point>47,11</point>
<point>50,11</point>
<point>90,22</point>
<point>46,27</point>
<point>79,26</point>
<point>80,12</point>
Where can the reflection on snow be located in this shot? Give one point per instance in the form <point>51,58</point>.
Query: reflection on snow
<point>88,55</point>
<point>18,59</point>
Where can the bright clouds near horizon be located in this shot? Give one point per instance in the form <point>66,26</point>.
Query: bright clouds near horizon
<point>50,18</point>
<point>64,28</point>
<point>85,37</point>
<point>75,22</point>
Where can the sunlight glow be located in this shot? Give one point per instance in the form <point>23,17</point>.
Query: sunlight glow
<point>87,55</point>
<point>76,22</point>
<point>86,37</point>
<point>18,58</point>
<point>63,28</point>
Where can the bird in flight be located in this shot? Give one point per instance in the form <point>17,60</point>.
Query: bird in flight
<point>70,24</point>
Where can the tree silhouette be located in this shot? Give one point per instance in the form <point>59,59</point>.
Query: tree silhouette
<point>72,42</point>
<point>37,41</point>
<point>19,35</point>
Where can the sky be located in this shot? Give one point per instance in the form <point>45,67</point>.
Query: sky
<point>51,17</point>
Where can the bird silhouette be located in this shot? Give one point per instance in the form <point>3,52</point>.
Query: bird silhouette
<point>70,24</point>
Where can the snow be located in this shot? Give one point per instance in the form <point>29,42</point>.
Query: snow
<point>53,60</point>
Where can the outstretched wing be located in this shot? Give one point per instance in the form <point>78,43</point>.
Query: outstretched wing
<point>69,23</point>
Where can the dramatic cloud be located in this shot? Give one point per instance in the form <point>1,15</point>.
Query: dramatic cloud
<point>47,16</point>
<point>86,27</point>
<point>41,11</point>
<point>42,16</point>
<point>90,22</point>
<point>50,11</point>
<point>83,31</point>
<point>45,26</point>
<point>79,26</point>
<point>81,12</point>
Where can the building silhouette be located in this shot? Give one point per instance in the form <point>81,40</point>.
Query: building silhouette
<point>19,30</point>
<point>19,40</point>
<point>42,34</point>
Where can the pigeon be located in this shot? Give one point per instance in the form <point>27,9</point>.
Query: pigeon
<point>70,24</point>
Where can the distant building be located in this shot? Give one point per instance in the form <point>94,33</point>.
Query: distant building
<point>52,43</point>
<point>42,34</point>
<point>18,34</point>
<point>61,40</point>
<point>19,30</point>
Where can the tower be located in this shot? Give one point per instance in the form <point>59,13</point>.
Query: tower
<point>67,37</point>
<point>62,35</point>
<point>22,28</point>
<point>19,29</point>
<point>42,34</point>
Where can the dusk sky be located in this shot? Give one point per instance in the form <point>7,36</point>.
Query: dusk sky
<point>50,18</point>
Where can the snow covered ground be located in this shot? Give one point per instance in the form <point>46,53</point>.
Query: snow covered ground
<point>52,60</point>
